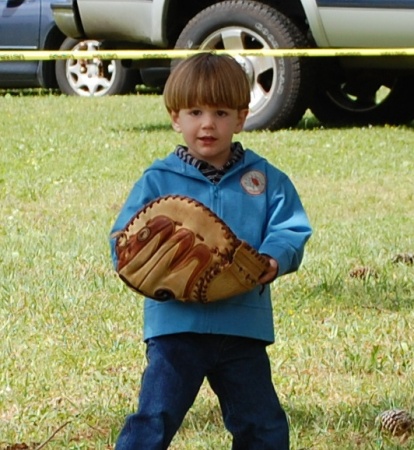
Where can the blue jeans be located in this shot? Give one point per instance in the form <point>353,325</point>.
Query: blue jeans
<point>238,371</point>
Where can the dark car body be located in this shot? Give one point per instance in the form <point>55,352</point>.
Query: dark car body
<point>28,25</point>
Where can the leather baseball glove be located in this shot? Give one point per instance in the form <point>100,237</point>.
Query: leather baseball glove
<point>175,247</point>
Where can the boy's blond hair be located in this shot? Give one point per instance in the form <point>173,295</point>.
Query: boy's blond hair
<point>207,79</point>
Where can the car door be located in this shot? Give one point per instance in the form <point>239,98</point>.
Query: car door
<point>361,23</point>
<point>19,30</point>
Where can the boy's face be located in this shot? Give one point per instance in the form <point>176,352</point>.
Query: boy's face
<point>208,131</point>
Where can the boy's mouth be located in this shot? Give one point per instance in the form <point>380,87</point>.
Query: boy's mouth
<point>207,139</point>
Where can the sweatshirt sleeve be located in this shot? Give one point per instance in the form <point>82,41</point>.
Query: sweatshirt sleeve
<point>288,228</point>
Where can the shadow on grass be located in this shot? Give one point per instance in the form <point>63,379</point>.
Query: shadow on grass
<point>307,123</point>
<point>310,122</point>
<point>145,128</point>
<point>30,92</point>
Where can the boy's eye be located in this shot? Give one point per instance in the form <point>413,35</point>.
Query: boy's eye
<point>195,112</point>
<point>221,113</point>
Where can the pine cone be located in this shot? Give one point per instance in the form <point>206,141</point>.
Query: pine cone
<point>363,272</point>
<point>397,423</point>
<point>405,258</point>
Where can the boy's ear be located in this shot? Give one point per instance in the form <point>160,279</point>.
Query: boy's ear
<point>242,115</point>
<point>175,121</point>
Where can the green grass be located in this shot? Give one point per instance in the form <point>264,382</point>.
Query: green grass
<point>70,332</point>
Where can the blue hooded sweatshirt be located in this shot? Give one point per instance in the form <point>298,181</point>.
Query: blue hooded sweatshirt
<point>261,205</point>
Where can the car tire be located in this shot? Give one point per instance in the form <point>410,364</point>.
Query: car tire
<point>281,88</point>
<point>92,77</point>
<point>363,98</point>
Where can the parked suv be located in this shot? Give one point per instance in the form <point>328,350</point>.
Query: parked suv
<point>339,90</point>
<point>29,25</point>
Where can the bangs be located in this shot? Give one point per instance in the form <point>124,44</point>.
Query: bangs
<point>217,81</point>
<point>213,89</point>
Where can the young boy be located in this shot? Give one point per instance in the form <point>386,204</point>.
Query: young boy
<point>207,97</point>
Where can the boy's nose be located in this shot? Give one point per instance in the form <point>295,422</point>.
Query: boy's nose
<point>208,121</point>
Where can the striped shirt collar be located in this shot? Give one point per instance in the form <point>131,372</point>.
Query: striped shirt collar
<point>209,171</point>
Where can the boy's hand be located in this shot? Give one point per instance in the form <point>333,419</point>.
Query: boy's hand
<point>271,272</point>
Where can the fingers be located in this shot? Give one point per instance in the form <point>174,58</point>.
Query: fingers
<point>271,272</point>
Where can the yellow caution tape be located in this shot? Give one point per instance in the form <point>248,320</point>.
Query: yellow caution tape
<point>46,55</point>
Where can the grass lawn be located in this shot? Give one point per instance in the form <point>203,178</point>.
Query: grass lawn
<point>70,332</point>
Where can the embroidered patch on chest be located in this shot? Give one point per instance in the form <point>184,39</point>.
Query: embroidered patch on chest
<point>253,182</point>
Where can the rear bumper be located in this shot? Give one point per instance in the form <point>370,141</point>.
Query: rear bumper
<point>67,19</point>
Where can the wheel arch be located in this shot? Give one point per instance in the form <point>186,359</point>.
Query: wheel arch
<point>179,12</point>
<point>53,41</point>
